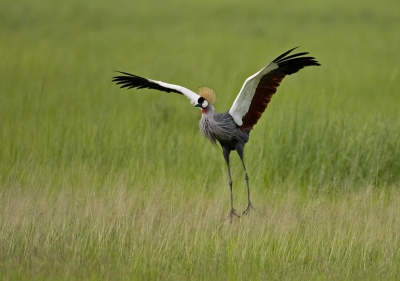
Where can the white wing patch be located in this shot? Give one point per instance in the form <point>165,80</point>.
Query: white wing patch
<point>192,96</point>
<point>243,100</point>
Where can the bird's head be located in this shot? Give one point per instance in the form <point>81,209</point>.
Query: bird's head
<point>202,103</point>
<point>207,97</point>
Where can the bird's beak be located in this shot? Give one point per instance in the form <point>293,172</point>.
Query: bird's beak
<point>197,105</point>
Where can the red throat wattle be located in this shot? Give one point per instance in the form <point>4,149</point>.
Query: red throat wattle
<point>203,110</point>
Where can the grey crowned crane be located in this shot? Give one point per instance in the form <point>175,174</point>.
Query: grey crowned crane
<point>232,128</point>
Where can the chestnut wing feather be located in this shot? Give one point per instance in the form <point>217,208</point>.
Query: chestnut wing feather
<point>258,89</point>
<point>266,88</point>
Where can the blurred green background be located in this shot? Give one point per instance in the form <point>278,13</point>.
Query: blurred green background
<point>58,106</point>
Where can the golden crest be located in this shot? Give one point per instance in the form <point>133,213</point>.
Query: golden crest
<point>208,94</point>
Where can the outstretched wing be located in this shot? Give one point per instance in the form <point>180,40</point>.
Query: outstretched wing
<point>130,81</point>
<point>258,89</point>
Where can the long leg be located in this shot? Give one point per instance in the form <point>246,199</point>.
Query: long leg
<point>226,153</point>
<point>240,149</point>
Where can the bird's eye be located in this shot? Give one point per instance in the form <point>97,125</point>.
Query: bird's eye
<point>204,104</point>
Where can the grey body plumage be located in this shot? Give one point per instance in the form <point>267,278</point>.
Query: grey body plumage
<point>221,127</point>
<point>232,128</point>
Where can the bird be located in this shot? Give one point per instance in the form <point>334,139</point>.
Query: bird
<point>232,128</point>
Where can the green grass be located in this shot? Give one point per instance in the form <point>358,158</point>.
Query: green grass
<point>163,233</point>
<point>102,183</point>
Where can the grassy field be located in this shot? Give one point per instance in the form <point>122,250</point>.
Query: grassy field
<point>99,183</point>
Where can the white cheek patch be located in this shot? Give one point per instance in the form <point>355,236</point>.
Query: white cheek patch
<point>204,104</point>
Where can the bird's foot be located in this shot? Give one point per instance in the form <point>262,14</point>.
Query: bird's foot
<point>249,206</point>
<point>232,214</point>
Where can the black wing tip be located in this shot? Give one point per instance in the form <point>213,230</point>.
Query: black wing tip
<point>285,54</point>
<point>130,81</point>
<point>126,75</point>
<point>293,63</point>
<point>284,57</point>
